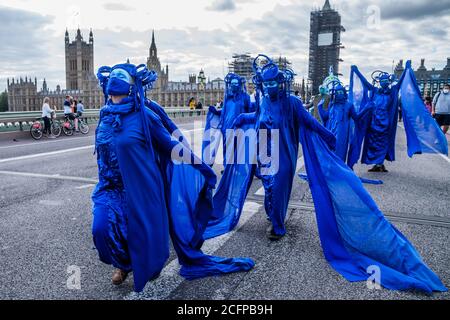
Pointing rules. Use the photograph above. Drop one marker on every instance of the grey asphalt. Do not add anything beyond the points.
(45, 229)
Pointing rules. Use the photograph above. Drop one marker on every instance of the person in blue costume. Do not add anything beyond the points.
(376, 132)
(338, 118)
(236, 101)
(146, 191)
(236, 177)
(356, 238)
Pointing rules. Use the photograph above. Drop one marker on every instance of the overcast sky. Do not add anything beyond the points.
(205, 33)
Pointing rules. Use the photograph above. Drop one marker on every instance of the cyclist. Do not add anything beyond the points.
(68, 111)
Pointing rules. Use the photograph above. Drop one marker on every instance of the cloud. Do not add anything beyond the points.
(222, 5)
(414, 9)
(116, 6)
(26, 44)
(283, 30)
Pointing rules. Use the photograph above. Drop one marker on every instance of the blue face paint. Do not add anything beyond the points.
(119, 83)
(271, 88)
(235, 85)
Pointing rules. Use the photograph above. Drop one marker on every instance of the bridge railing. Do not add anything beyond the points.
(22, 121)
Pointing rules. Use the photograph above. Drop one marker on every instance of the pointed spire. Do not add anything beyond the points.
(327, 5)
(66, 36)
(153, 50)
(91, 36)
(79, 36)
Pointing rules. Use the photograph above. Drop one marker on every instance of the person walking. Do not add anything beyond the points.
(441, 108)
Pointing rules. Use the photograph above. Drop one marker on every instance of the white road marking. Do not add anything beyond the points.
(300, 165)
(52, 203)
(44, 154)
(44, 142)
(170, 278)
(85, 186)
(48, 176)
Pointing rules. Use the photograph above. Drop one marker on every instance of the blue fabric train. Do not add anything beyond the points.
(236, 180)
(354, 234)
(143, 196)
(340, 119)
(375, 133)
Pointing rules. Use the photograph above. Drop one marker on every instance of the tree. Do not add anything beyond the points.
(3, 102)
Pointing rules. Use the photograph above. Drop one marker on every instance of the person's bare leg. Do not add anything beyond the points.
(76, 124)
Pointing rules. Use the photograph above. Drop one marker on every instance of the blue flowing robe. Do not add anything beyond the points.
(338, 119)
(354, 234)
(143, 197)
(376, 130)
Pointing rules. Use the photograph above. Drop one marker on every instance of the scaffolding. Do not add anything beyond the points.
(325, 44)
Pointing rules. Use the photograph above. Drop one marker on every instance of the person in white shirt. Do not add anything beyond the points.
(80, 108)
(46, 116)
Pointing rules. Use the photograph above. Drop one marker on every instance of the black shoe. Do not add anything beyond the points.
(376, 168)
(383, 169)
(273, 236)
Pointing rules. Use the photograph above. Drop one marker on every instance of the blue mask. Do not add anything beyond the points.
(119, 83)
(271, 88)
(340, 95)
(234, 86)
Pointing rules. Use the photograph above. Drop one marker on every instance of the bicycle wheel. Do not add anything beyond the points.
(56, 128)
(84, 127)
(67, 129)
(36, 131)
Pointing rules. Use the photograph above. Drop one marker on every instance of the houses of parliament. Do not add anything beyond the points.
(82, 84)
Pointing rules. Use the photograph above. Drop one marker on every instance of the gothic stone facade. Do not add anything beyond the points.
(23, 95)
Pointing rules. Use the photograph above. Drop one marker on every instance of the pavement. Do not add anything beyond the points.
(45, 231)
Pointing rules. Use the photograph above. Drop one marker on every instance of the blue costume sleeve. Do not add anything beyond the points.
(324, 114)
(313, 125)
(353, 231)
(234, 185)
(166, 121)
(211, 136)
(422, 132)
(249, 106)
(359, 93)
(188, 189)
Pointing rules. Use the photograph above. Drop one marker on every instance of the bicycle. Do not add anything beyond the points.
(37, 128)
(68, 127)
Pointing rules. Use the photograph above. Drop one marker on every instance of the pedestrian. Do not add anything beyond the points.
(441, 108)
(80, 108)
(144, 198)
(47, 114)
(429, 104)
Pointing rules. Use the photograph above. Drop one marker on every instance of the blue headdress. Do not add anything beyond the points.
(143, 79)
(380, 78)
(265, 69)
(228, 80)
